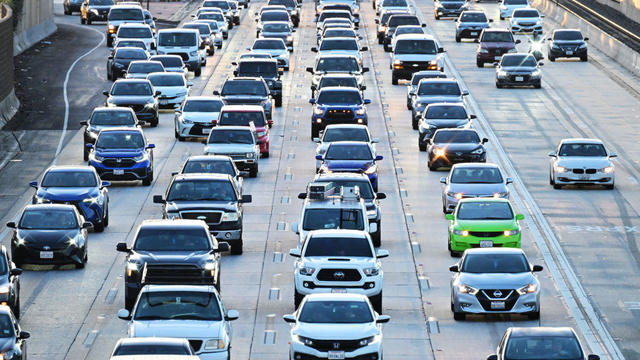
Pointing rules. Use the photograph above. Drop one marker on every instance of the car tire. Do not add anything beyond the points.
(265, 155)
(147, 180)
(421, 146)
(459, 316)
(67, 12)
(88, 21)
(105, 220)
(129, 303)
(501, 17)
(538, 85)
(279, 101)
(219, 46)
(98, 227)
(315, 132)
(534, 315)
(557, 186)
(584, 58)
(297, 298)
(479, 63)
(85, 153)
(376, 238)
(237, 248)
(610, 187)
(16, 306)
(436, 16)
(254, 172)
(211, 51)
(82, 22)
(387, 48)
(154, 122)
(458, 39)
(81, 264)
(551, 182)
(432, 167)
(444, 209)
(380, 41)
(394, 79)
(414, 123)
(551, 58)
(498, 85)
(376, 302)
(197, 71)
(408, 105)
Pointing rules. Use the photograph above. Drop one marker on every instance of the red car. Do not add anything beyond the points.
(247, 115)
(493, 44)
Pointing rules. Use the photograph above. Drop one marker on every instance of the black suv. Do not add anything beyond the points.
(9, 282)
(266, 69)
(171, 252)
(247, 91)
(118, 62)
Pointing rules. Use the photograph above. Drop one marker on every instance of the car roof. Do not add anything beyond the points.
(208, 158)
(336, 297)
(496, 30)
(473, 12)
(112, 109)
(132, 81)
(567, 30)
(63, 168)
(541, 331)
(182, 30)
(169, 288)
(428, 72)
(346, 126)
(475, 165)
(456, 104)
(456, 130)
(415, 37)
(134, 25)
(204, 98)
(494, 250)
(259, 60)
(336, 38)
(164, 56)
(153, 341)
(201, 176)
(166, 73)
(173, 223)
(349, 143)
(242, 108)
(337, 233)
(123, 48)
(580, 141)
(277, 22)
(330, 56)
(126, 7)
(341, 176)
(50, 207)
(146, 61)
(244, 78)
(439, 80)
(122, 129)
(4, 309)
(221, 128)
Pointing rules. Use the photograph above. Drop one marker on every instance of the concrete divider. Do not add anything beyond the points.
(622, 54)
(8, 101)
(36, 23)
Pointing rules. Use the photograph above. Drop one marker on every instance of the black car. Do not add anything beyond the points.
(171, 252)
(267, 69)
(71, 6)
(247, 91)
(567, 43)
(13, 344)
(119, 60)
(95, 10)
(9, 282)
(451, 146)
(138, 95)
(50, 234)
(103, 118)
(533, 343)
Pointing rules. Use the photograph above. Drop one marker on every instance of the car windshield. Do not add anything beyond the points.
(336, 312)
(167, 80)
(596, 150)
(334, 15)
(516, 2)
(258, 68)
(209, 167)
(479, 175)
(567, 35)
(276, 28)
(348, 152)
(518, 60)
(366, 190)
(338, 246)
(244, 88)
(386, 3)
(544, 347)
(268, 44)
(456, 137)
(145, 68)
(101, 2)
(169, 61)
(526, 13)
(407, 46)
(435, 75)
(335, 44)
(202, 106)
(242, 118)
(69, 179)
(339, 33)
(218, 4)
(112, 118)
(150, 349)
(439, 88)
(403, 20)
(287, 3)
(131, 54)
(6, 326)
(409, 30)
(473, 17)
(120, 140)
(346, 134)
(131, 88)
(220, 136)
(126, 14)
(172, 239)
(446, 112)
(178, 305)
(202, 190)
(212, 15)
(340, 98)
(274, 16)
(484, 210)
(177, 39)
(134, 33)
(253, 55)
(341, 81)
(341, 64)
(495, 263)
(497, 36)
(203, 28)
(319, 219)
(48, 219)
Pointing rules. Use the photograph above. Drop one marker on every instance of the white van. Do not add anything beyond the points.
(185, 43)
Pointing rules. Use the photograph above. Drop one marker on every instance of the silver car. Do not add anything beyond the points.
(277, 48)
(469, 180)
(495, 281)
(581, 161)
(197, 116)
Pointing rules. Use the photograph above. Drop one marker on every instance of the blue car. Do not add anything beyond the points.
(79, 186)
(351, 156)
(337, 105)
(122, 154)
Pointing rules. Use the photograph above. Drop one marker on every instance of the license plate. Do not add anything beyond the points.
(486, 243)
(206, 131)
(335, 355)
(46, 254)
(164, 102)
(338, 291)
(497, 58)
(569, 52)
(519, 78)
(584, 177)
(118, 172)
(474, 33)
(497, 305)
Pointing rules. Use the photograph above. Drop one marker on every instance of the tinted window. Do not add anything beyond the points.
(132, 43)
(341, 81)
(332, 44)
(219, 4)
(394, 3)
(69, 179)
(409, 30)
(339, 33)
(204, 29)
(48, 219)
(120, 140)
(516, 2)
(150, 349)
(169, 61)
(366, 190)
(269, 44)
(167, 80)
(446, 112)
(403, 20)
(241, 118)
(479, 175)
(345, 134)
(6, 327)
(167, 239)
(456, 137)
(473, 17)
(544, 347)
(203, 106)
(342, 64)
(435, 75)
(244, 88)
(126, 14)
(340, 97)
(336, 312)
(439, 88)
(178, 305)
(274, 16)
(131, 54)
(287, 3)
(101, 2)
(582, 150)
(319, 219)
(348, 152)
(145, 68)
(176, 39)
(275, 27)
(485, 210)
(348, 247)
(213, 16)
(567, 35)
(230, 137)
(128, 33)
(258, 68)
(113, 118)
(415, 47)
(497, 36)
(131, 88)
(209, 167)
(495, 263)
(333, 15)
(201, 190)
(519, 60)
(526, 13)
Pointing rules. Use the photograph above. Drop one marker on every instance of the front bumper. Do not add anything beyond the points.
(71, 254)
(482, 304)
(492, 56)
(468, 33)
(461, 243)
(171, 101)
(192, 130)
(407, 72)
(137, 172)
(519, 80)
(321, 121)
(368, 286)
(299, 351)
(519, 29)
(452, 158)
(569, 178)
(443, 12)
(567, 52)
(97, 17)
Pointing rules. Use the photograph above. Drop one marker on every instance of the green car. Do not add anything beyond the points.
(483, 222)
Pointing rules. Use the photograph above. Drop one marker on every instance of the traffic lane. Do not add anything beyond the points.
(567, 106)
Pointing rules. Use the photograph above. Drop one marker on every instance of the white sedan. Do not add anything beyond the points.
(581, 161)
(173, 87)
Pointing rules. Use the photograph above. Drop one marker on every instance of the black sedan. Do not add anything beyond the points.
(451, 146)
(71, 6)
(118, 62)
(13, 344)
(50, 234)
(9, 282)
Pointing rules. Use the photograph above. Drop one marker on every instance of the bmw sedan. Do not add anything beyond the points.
(581, 161)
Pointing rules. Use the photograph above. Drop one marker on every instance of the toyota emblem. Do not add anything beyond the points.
(338, 275)
(497, 293)
(336, 345)
(46, 248)
(458, 153)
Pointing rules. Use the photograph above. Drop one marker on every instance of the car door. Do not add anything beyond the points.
(14, 280)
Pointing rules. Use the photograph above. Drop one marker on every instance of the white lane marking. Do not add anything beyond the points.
(575, 296)
(65, 91)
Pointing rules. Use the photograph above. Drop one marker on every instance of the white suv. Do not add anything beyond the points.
(338, 261)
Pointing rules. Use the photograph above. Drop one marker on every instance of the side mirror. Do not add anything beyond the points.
(122, 247)
(379, 157)
(540, 63)
(310, 70)
(289, 318)
(363, 87)
(375, 140)
(141, 123)
(84, 123)
(235, 72)
(473, 116)
(490, 20)
(280, 72)
(454, 268)
(216, 92)
(553, 154)
(382, 319)
(151, 146)
(492, 357)
(232, 315)
(612, 154)
(319, 157)
(295, 252)
(364, 48)
(124, 314)
(24, 335)
(376, 21)
(423, 25)
(189, 84)
(485, 140)
(302, 196)
(16, 271)
(537, 268)
(105, 183)
(591, 357)
(11, 224)
(158, 199)
(381, 196)
(312, 101)
(294, 227)
(549, 39)
(105, 93)
(519, 217)
(87, 225)
(443, 180)
(509, 180)
(587, 39)
(465, 92)
(367, 101)
(541, 15)
(518, 41)
(246, 199)
(381, 253)
(34, 184)
(373, 227)
(496, 64)
(158, 93)
(223, 246)
(440, 50)
(314, 49)
(449, 217)
(365, 69)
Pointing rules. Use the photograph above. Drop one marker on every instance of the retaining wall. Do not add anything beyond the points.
(36, 23)
(8, 101)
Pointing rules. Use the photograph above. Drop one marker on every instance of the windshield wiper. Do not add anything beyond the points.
(150, 317)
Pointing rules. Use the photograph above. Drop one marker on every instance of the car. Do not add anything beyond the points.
(217, 17)
(216, 32)
(173, 87)
(148, 348)
(183, 42)
(71, 6)
(520, 69)
(351, 6)
(9, 282)
(277, 48)
(473, 180)
(224, 6)
(412, 86)
(90, 10)
(449, 8)
(104, 118)
(333, 261)
(254, 55)
(334, 23)
(196, 116)
(401, 30)
(251, 116)
(279, 30)
(529, 343)
(37, 234)
(212, 164)
(334, 14)
(526, 21)
(495, 281)
(413, 53)
(119, 60)
(386, 5)
(337, 80)
(139, 69)
(451, 146)
(577, 161)
(338, 33)
(268, 70)
(340, 46)
(194, 312)
(121, 14)
(238, 142)
(336, 64)
(135, 43)
(235, 12)
(470, 24)
(483, 222)
(247, 91)
(431, 91)
(383, 20)
(15, 339)
(135, 31)
(291, 6)
(76, 185)
(442, 116)
(337, 105)
(149, 19)
(351, 156)
(208, 37)
(343, 132)
(122, 154)
(271, 15)
(507, 7)
(175, 251)
(342, 326)
(567, 43)
(171, 63)
(493, 44)
(137, 94)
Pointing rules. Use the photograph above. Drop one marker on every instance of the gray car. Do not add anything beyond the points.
(412, 86)
(518, 70)
(495, 281)
(469, 24)
(468, 180)
(430, 91)
(279, 30)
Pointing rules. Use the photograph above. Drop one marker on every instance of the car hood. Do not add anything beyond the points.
(67, 194)
(98, 128)
(171, 90)
(114, 153)
(415, 57)
(519, 69)
(130, 99)
(355, 53)
(497, 281)
(477, 189)
(497, 45)
(348, 164)
(272, 52)
(486, 225)
(568, 42)
(173, 206)
(584, 161)
(339, 261)
(525, 20)
(229, 148)
(192, 329)
(462, 147)
(47, 237)
(171, 257)
(447, 123)
(125, 62)
(201, 116)
(432, 99)
(335, 331)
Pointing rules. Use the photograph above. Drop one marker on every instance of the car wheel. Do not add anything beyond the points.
(376, 302)
(197, 71)
(82, 22)
(498, 85)
(66, 11)
(85, 153)
(444, 211)
(237, 248)
(584, 58)
(211, 51)
(436, 16)
(458, 39)
(479, 63)
(265, 155)
(376, 238)
(297, 298)
(538, 85)
(394, 79)
(551, 182)
(557, 186)
(534, 315)
(387, 48)
(147, 180)
(501, 17)
(279, 101)
(154, 122)
(551, 58)
(459, 316)
(610, 187)
(88, 21)
(315, 132)
(98, 227)
(81, 264)
(380, 40)
(422, 146)
(218, 284)
(254, 172)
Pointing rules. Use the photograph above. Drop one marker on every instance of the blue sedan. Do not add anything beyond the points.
(337, 105)
(351, 156)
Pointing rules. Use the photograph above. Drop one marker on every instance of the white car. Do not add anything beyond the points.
(507, 6)
(335, 326)
(134, 31)
(339, 261)
(343, 132)
(274, 47)
(401, 5)
(194, 312)
(340, 46)
(152, 348)
(217, 15)
(140, 69)
(173, 87)
(581, 161)
(526, 21)
(197, 116)
(172, 63)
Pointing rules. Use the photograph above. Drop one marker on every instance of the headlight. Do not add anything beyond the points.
(304, 340)
(483, 50)
(501, 74)
(561, 169)
(213, 344)
(132, 266)
(318, 111)
(307, 271)
(193, 53)
(289, 38)
(511, 232)
(455, 195)
(209, 266)
(42, 200)
(230, 216)
(607, 170)
(361, 111)
(112, 29)
(249, 155)
(373, 271)
(439, 152)
(76, 241)
(371, 169)
(478, 151)
(173, 216)
(140, 157)
(466, 289)
(461, 232)
(94, 200)
(527, 289)
(514, 50)
(185, 121)
(150, 105)
(7, 355)
(582, 46)
(536, 74)
(503, 194)
(367, 341)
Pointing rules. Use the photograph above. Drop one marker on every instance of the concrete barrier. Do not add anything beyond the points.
(8, 101)
(605, 43)
(36, 23)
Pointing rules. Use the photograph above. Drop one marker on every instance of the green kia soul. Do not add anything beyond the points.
(483, 222)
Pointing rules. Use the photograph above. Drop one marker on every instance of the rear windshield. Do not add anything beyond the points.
(274, 16)
(407, 46)
(177, 39)
(446, 112)
(269, 44)
(126, 14)
(486, 210)
(113, 118)
(216, 3)
(145, 68)
(345, 134)
(258, 68)
(241, 118)
(516, 2)
(436, 75)
(394, 3)
(318, 219)
(340, 33)
(276, 28)
(409, 30)
(134, 33)
(333, 15)
(287, 3)
(203, 28)
(479, 175)
(167, 80)
(519, 60)
(567, 35)
(211, 15)
(403, 20)
(169, 61)
(340, 97)
(347, 247)
(495, 263)
(203, 106)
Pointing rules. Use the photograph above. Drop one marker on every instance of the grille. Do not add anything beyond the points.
(212, 217)
(184, 56)
(196, 129)
(118, 162)
(451, 6)
(195, 345)
(578, 171)
(417, 65)
(524, 77)
(509, 296)
(302, 356)
(242, 101)
(234, 156)
(344, 345)
(339, 114)
(174, 274)
(486, 234)
(527, 24)
(334, 275)
(590, 171)
(498, 51)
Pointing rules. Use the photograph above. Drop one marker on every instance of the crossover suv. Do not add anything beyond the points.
(137, 94)
(449, 8)
(135, 31)
(251, 116)
(121, 14)
(71, 6)
(567, 43)
(526, 21)
(105, 118)
(451, 146)
(247, 91)
(518, 70)
(9, 282)
(442, 116)
(15, 340)
(412, 53)
(140, 69)
(212, 164)
(507, 7)
(118, 62)
(267, 69)
(343, 132)
(412, 86)
(173, 87)
(238, 142)
(394, 22)
(90, 10)
(470, 24)
(473, 180)
(581, 161)
(337, 105)
(351, 156)
(277, 48)
(146, 347)
(493, 44)
(279, 30)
